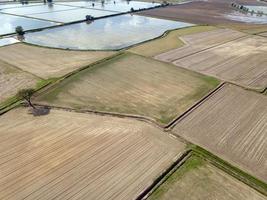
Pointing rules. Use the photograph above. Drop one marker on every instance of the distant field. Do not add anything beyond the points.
(131, 84)
(71, 155)
(226, 54)
(264, 34)
(242, 61)
(12, 80)
(48, 63)
(232, 124)
(199, 180)
(246, 28)
(200, 41)
(212, 12)
(168, 42)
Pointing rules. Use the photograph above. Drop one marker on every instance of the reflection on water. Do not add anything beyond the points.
(17, 5)
(36, 9)
(248, 17)
(125, 6)
(72, 15)
(10, 22)
(109, 33)
(262, 9)
(7, 41)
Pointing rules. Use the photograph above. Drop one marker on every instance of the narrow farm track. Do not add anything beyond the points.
(67, 155)
(232, 124)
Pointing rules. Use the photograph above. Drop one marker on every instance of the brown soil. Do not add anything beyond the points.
(12, 80)
(200, 12)
(47, 62)
(67, 155)
(232, 124)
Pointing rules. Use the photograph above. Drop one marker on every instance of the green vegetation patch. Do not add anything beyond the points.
(198, 179)
(193, 162)
(131, 84)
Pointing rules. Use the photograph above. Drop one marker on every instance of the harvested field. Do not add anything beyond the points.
(68, 155)
(47, 62)
(131, 84)
(263, 34)
(199, 42)
(199, 180)
(232, 124)
(12, 80)
(168, 42)
(245, 28)
(242, 61)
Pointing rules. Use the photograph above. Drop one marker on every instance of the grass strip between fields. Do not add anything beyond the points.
(191, 163)
(43, 84)
(14, 101)
(197, 158)
(234, 171)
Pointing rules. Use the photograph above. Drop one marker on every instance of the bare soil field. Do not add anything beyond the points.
(12, 80)
(168, 42)
(212, 12)
(200, 41)
(263, 34)
(242, 61)
(68, 155)
(232, 124)
(131, 84)
(47, 62)
(199, 180)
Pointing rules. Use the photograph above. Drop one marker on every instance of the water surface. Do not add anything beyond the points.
(72, 15)
(45, 8)
(109, 33)
(8, 41)
(112, 5)
(258, 8)
(248, 18)
(8, 23)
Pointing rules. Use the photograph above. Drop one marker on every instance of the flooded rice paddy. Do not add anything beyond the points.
(104, 34)
(40, 15)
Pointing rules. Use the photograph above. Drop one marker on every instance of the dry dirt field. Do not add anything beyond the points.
(263, 34)
(232, 124)
(242, 61)
(131, 84)
(47, 62)
(68, 155)
(12, 80)
(168, 42)
(199, 180)
(200, 41)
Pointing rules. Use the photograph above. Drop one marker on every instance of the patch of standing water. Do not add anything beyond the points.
(8, 23)
(8, 41)
(104, 34)
(112, 5)
(45, 8)
(262, 9)
(72, 15)
(247, 17)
